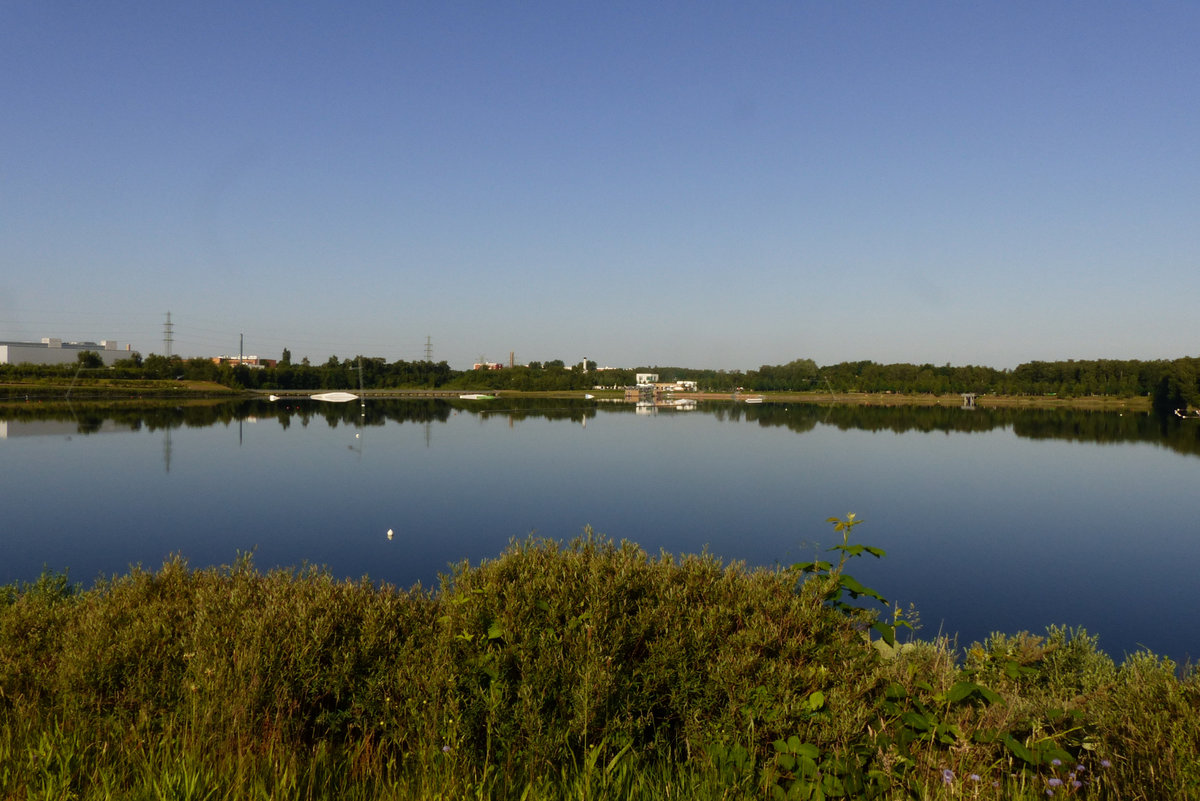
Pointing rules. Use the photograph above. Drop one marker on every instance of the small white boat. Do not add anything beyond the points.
(272, 397)
(477, 396)
(335, 397)
(754, 400)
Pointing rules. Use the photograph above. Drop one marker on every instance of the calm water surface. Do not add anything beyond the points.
(992, 520)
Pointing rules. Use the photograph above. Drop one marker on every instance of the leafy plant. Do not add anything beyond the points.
(838, 585)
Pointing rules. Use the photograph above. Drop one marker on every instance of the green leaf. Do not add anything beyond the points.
(876, 552)
(990, 696)
(948, 733)
(856, 589)
(832, 786)
(816, 700)
(809, 751)
(888, 633)
(961, 691)
(1019, 751)
(612, 763)
(1052, 753)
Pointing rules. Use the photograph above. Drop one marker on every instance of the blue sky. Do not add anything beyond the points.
(706, 184)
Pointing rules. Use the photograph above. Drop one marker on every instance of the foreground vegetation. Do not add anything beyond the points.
(592, 670)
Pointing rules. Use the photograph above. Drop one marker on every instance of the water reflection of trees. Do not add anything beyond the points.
(89, 418)
(1076, 425)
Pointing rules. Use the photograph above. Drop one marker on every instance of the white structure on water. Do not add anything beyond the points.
(55, 351)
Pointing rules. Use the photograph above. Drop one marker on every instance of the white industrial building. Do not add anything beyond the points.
(55, 351)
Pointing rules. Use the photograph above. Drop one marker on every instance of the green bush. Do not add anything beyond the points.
(585, 670)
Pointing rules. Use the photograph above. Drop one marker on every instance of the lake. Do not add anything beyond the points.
(993, 520)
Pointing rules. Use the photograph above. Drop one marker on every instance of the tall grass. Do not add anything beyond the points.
(585, 670)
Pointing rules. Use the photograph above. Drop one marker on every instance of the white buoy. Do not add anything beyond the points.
(389, 533)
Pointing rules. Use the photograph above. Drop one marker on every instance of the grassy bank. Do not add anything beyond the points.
(592, 670)
(40, 390)
(1103, 402)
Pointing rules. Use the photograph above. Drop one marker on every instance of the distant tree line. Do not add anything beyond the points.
(334, 373)
(1171, 383)
(377, 373)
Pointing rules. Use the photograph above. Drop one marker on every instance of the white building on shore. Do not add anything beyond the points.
(54, 351)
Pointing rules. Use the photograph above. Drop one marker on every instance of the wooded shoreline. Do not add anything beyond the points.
(20, 392)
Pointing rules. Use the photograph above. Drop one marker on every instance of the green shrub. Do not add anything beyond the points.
(585, 670)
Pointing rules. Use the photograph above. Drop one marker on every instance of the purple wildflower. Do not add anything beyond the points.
(1104, 763)
(1056, 762)
(974, 777)
(1055, 782)
(947, 776)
